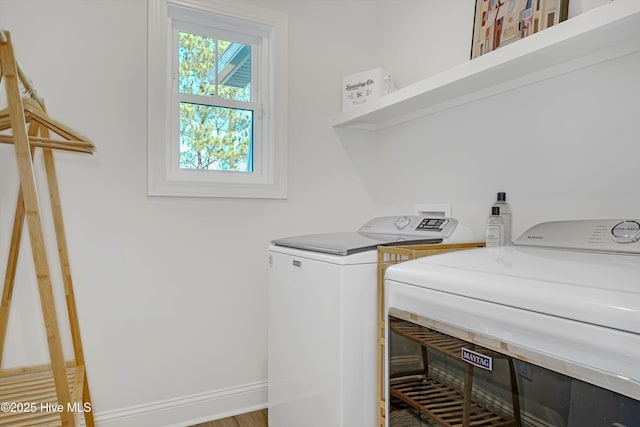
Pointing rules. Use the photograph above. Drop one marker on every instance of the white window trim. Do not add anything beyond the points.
(271, 179)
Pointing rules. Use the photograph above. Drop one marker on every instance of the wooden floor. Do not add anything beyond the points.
(251, 419)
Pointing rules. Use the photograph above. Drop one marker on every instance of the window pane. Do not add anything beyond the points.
(216, 138)
(208, 66)
(234, 72)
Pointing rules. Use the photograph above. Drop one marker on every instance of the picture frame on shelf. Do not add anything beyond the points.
(501, 22)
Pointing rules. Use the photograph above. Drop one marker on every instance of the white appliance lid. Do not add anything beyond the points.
(397, 230)
(341, 243)
(344, 243)
(595, 288)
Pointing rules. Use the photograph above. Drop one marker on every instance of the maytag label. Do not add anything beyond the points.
(477, 359)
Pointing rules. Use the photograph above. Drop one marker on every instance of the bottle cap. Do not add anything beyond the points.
(502, 196)
(495, 210)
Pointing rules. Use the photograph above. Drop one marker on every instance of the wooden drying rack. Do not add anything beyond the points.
(388, 256)
(58, 393)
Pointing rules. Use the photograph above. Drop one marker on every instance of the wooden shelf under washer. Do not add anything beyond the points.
(437, 340)
(443, 403)
(388, 256)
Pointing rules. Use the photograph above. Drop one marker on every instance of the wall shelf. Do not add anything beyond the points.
(601, 34)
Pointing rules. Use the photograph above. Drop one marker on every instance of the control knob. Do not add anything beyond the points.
(402, 222)
(626, 232)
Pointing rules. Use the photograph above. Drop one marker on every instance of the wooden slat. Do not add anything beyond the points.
(78, 384)
(39, 389)
(77, 146)
(65, 267)
(437, 340)
(443, 403)
(36, 233)
(29, 383)
(33, 112)
(29, 370)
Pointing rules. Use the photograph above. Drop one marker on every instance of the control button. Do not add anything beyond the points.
(626, 232)
(432, 224)
(402, 222)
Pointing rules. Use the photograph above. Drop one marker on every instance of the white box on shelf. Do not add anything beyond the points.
(362, 88)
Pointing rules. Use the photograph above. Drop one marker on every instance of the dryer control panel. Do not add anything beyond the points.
(411, 226)
(597, 235)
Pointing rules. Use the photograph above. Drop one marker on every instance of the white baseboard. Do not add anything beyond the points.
(189, 410)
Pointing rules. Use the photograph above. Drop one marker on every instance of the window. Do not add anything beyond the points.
(217, 100)
(216, 103)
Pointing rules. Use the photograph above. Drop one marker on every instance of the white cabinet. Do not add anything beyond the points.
(604, 33)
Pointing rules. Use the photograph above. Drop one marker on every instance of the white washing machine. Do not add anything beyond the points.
(544, 333)
(322, 319)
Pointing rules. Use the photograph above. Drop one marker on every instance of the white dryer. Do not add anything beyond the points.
(543, 333)
(322, 319)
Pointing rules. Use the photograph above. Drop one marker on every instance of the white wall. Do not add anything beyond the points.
(422, 38)
(560, 148)
(171, 292)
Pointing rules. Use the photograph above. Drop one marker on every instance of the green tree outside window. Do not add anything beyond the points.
(214, 137)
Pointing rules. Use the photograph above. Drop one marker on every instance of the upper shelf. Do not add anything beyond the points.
(600, 34)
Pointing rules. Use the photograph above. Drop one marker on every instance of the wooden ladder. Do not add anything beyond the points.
(58, 393)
